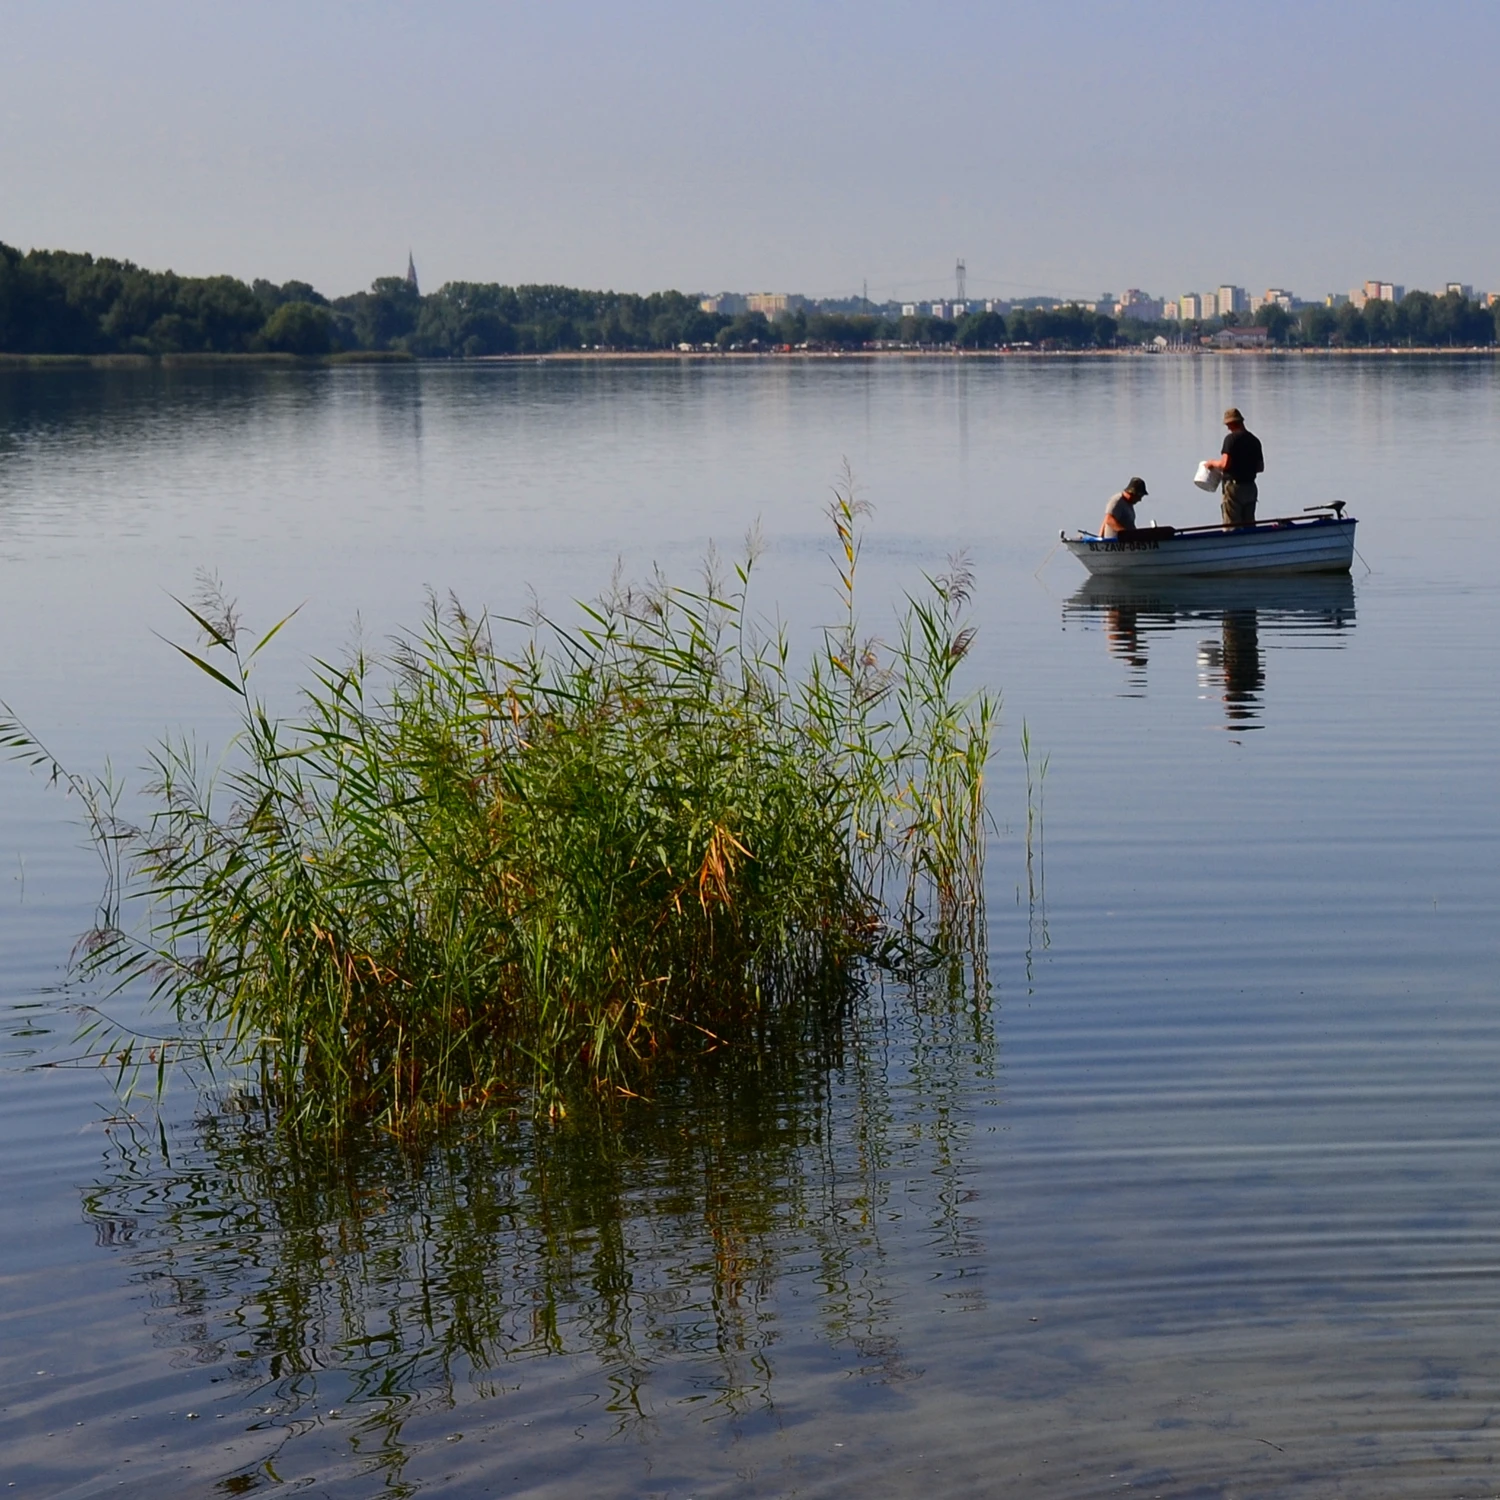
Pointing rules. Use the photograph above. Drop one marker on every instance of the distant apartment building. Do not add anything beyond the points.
(774, 305)
(951, 312)
(1190, 307)
(1463, 289)
(1274, 296)
(1336, 299)
(1376, 291)
(730, 304)
(1210, 301)
(1172, 312)
(1232, 299)
(1140, 307)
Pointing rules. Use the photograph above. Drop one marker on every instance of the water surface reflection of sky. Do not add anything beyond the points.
(1200, 1194)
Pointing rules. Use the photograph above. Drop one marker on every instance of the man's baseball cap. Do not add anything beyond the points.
(1233, 415)
(1136, 487)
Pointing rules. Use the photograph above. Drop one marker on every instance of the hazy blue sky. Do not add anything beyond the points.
(1069, 148)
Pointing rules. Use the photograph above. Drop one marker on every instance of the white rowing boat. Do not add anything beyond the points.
(1319, 542)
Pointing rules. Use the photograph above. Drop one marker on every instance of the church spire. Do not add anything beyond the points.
(411, 272)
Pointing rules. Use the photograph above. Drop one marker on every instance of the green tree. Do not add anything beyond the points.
(271, 296)
(1380, 323)
(36, 315)
(386, 316)
(225, 313)
(924, 331)
(984, 330)
(1277, 322)
(790, 327)
(1317, 326)
(1070, 327)
(841, 330)
(172, 334)
(747, 331)
(1457, 320)
(1352, 329)
(142, 300)
(299, 328)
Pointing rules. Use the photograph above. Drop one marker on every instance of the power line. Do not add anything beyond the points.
(917, 286)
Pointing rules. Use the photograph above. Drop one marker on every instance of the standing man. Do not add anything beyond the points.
(1240, 460)
(1119, 514)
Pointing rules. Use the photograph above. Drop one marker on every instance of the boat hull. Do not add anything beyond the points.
(1323, 545)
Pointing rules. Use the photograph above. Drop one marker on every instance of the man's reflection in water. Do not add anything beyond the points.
(1122, 633)
(1232, 667)
(1236, 667)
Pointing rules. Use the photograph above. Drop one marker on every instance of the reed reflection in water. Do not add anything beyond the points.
(1249, 613)
(347, 1294)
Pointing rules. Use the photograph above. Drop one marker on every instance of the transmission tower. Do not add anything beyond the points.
(960, 274)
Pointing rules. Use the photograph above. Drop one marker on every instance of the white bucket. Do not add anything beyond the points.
(1206, 478)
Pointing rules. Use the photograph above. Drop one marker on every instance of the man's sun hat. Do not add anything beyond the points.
(1233, 415)
(1137, 486)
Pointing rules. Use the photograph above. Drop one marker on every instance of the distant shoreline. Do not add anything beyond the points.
(704, 356)
(200, 361)
(581, 356)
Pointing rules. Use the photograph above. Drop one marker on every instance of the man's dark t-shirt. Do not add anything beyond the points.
(1245, 457)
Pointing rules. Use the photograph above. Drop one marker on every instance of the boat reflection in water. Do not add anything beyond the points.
(1247, 613)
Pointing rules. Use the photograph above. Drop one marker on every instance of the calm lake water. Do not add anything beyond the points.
(1201, 1197)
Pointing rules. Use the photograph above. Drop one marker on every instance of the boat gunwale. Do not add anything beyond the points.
(1271, 523)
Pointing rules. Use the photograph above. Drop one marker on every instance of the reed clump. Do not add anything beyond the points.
(466, 873)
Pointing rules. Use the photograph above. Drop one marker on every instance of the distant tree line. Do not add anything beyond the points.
(56, 302)
(1421, 320)
(1063, 328)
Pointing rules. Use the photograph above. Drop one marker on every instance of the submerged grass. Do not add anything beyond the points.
(463, 875)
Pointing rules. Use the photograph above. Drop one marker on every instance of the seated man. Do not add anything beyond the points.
(1119, 514)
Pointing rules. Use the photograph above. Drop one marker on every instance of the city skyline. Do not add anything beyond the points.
(1133, 303)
